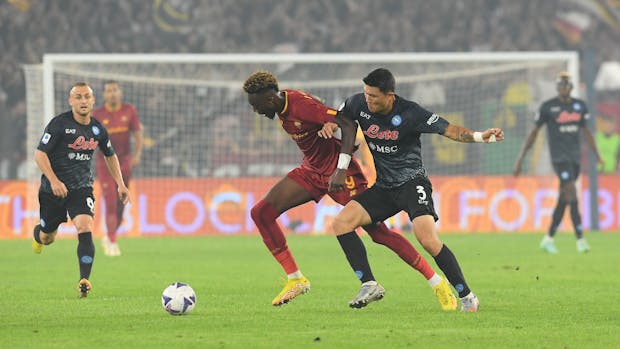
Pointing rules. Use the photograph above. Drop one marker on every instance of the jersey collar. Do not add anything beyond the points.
(284, 109)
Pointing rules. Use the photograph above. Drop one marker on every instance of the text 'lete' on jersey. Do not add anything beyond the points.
(394, 139)
(69, 146)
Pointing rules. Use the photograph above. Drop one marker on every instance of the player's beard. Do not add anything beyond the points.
(83, 114)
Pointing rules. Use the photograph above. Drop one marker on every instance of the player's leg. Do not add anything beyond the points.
(569, 190)
(52, 213)
(286, 194)
(417, 200)
(110, 197)
(425, 232)
(81, 208)
(112, 242)
(564, 175)
(356, 213)
(351, 244)
(381, 234)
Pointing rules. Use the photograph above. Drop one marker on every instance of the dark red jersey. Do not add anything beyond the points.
(120, 124)
(303, 116)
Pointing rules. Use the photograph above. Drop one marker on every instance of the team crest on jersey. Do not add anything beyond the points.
(397, 120)
(105, 121)
(96, 130)
(123, 118)
(576, 106)
(297, 124)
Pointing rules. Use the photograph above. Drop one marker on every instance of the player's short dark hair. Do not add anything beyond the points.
(259, 82)
(382, 79)
(107, 82)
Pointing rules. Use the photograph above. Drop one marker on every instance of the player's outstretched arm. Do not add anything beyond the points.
(115, 171)
(531, 138)
(349, 128)
(43, 161)
(465, 135)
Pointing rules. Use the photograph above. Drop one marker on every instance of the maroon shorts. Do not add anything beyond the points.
(317, 184)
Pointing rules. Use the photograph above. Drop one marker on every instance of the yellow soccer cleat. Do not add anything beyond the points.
(444, 295)
(292, 289)
(84, 287)
(37, 247)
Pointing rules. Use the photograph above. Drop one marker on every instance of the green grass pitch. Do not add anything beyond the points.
(528, 299)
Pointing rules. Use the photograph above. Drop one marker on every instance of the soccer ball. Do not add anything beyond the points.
(178, 299)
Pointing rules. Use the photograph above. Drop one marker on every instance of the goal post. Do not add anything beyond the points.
(208, 158)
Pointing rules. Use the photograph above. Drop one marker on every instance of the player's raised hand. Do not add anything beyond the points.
(123, 194)
(337, 179)
(493, 135)
(59, 189)
(328, 130)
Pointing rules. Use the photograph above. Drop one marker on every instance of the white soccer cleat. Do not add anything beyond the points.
(369, 292)
(470, 303)
(582, 246)
(110, 248)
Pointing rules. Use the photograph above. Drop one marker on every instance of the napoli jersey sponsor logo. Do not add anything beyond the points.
(397, 120)
(576, 106)
(432, 119)
(96, 130)
(46, 138)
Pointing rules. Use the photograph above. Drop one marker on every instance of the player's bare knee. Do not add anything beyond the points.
(47, 238)
(83, 225)
(341, 226)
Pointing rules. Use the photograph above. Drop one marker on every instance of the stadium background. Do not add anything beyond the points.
(30, 29)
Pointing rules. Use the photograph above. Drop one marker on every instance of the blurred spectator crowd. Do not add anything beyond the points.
(30, 28)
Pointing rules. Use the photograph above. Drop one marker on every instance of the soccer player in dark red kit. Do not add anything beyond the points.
(121, 120)
(64, 156)
(302, 116)
(392, 127)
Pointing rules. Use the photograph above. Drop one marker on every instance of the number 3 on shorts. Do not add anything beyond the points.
(91, 204)
(422, 195)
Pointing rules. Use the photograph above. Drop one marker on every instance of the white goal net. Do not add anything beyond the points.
(202, 138)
